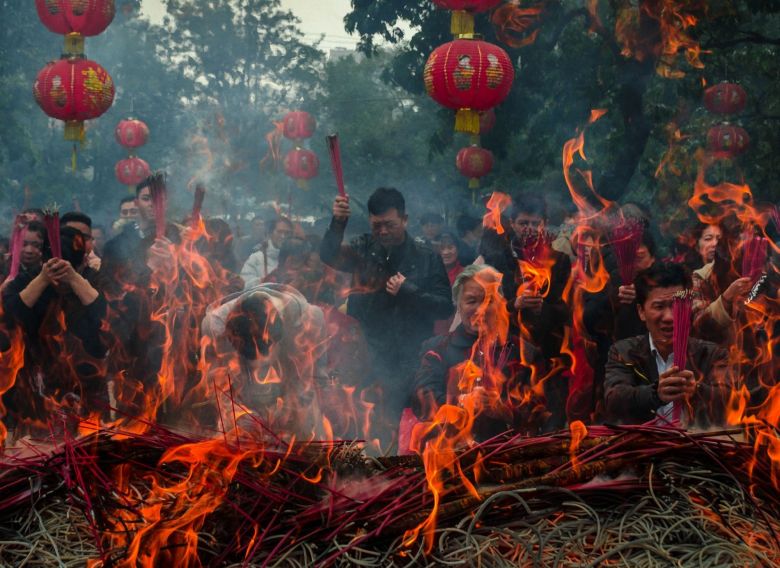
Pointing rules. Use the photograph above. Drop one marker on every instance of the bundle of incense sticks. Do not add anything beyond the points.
(754, 252)
(681, 312)
(535, 243)
(52, 221)
(335, 159)
(197, 205)
(17, 242)
(160, 200)
(625, 239)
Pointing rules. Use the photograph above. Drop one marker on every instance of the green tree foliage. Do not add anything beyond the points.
(576, 65)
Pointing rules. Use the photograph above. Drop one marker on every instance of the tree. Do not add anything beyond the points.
(583, 59)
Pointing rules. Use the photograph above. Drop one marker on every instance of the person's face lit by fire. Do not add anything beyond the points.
(86, 232)
(281, 233)
(145, 204)
(32, 249)
(525, 225)
(389, 228)
(128, 210)
(478, 303)
(643, 259)
(708, 243)
(448, 251)
(658, 314)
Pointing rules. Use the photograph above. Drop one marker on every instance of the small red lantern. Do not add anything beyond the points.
(463, 13)
(74, 90)
(470, 76)
(301, 165)
(131, 133)
(75, 19)
(298, 125)
(725, 98)
(727, 141)
(132, 171)
(474, 163)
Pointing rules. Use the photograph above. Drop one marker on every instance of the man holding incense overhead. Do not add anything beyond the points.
(400, 289)
(642, 382)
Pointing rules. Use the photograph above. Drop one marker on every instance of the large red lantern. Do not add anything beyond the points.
(463, 12)
(131, 133)
(474, 162)
(469, 76)
(301, 165)
(132, 171)
(298, 125)
(74, 90)
(75, 19)
(727, 141)
(725, 98)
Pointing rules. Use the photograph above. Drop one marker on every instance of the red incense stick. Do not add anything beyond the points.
(160, 201)
(681, 312)
(335, 159)
(52, 221)
(17, 242)
(197, 205)
(626, 238)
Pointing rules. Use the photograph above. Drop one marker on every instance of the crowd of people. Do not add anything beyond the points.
(521, 324)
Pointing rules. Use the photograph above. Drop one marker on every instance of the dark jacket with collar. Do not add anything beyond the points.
(436, 379)
(631, 383)
(394, 326)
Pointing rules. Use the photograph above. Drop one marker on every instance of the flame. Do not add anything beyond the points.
(575, 146)
(578, 433)
(516, 25)
(495, 206)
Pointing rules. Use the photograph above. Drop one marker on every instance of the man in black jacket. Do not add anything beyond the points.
(400, 288)
(642, 382)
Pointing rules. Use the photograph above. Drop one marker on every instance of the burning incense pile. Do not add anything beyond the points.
(639, 495)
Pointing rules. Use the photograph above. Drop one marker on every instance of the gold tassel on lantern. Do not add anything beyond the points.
(474, 183)
(74, 131)
(462, 22)
(303, 184)
(74, 45)
(467, 120)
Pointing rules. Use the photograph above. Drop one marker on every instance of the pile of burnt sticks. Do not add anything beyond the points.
(638, 496)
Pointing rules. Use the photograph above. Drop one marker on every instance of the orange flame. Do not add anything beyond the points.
(496, 205)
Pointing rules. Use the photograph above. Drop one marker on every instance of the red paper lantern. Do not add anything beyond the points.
(74, 90)
(298, 125)
(132, 171)
(727, 141)
(76, 19)
(725, 98)
(470, 76)
(474, 162)
(463, 12)
(301, 165)
(131, 133)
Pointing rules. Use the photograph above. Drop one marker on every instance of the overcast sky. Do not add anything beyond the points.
(317, 17)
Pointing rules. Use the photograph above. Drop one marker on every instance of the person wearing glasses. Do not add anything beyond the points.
(83, 224)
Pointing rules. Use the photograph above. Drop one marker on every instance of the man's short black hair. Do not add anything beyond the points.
(40, 228)
(660, 275)
(276, 220)
(431, 217)
(128, 199)
(466, 224)
(530, 204)
(385, 198)
(76, 217)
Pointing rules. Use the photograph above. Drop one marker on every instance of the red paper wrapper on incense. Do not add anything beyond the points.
(626, 238)
(754, 252)
(52, 221)
(681, 312)
(17, 242)
(335, 160)
(160, 201)
(197, 205)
